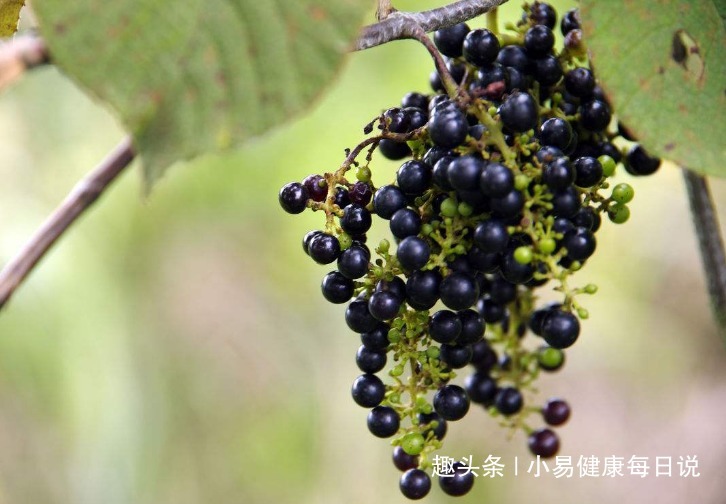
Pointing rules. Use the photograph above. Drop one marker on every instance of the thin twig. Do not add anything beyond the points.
(398, 24)
(708, 232)
(85, 192)
(22, 53)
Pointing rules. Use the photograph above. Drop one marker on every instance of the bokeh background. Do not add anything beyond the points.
(176, 349)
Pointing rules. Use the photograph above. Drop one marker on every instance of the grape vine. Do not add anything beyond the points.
(509, 166)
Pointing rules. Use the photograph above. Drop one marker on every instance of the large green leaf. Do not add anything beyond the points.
(192, 76)
(9, 16)
(663, 65)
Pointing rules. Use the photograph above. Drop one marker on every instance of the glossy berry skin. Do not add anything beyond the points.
(396, 286)
(639, 162)
(413, 253)
(368, 390)
(459, 483)
(455, 356)
(491, 235)
(383, 421)
(336, 288)
(316, 187)
(415, 484)
(538, 41)
(515, 57)
(595, 115)
(422, 289)
(515, 272)
(384, 305)
(444, 326)
(566, 203)
(496, 180)
(480, 47)
(428, 419)
(580, 82)
(414, 177)
(449, 40)
(507, 206)
(543, 442)
(324, 248)
(402, 460)
(587, 218)
(519, 112)
(481, 388)
(458, 291)
(588, 171)
(448, 128)
(463, 172)
(472, 327)
(580, 243)
(387, 200)
(558, 175)
(570, 21)
(508, 401)
(547, 70)
(451, 402)
(356, 219)
(556, 132)
(360, 193)
(560, 329)
(293, 198)
(543, 14)
(376, 338)
(353, 262)
(393, 150)
(405, 222)
(370, 361)
(358, 318)
(556, 412)
(416, 100)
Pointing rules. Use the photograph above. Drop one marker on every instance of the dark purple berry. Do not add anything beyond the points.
(337, 288)
(387, 200)
(458, 291)
(449, 40)
(368, 390)
(560, 329)
(415, 484)
(383, 421)
(556, 412)
(413, 253)
(422, 289)
(595, 115)
(480, 47)
(459, 483)
(508, 401)
(451, 402)
(293, 198)
(324, 248)
(519, 112)
(402, 460)
(543, 442)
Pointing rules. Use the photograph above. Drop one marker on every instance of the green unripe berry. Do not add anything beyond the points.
(449, 208)
(591, 288)
(550, 357)
(521, 182)
(397, 370)
(608, 165)
(394, 335)
(619, 213)
(394, 398)
(384, 246)
(623, 193)
(460, 249)
(363, 173)
(523, 255)
(583, 313)
(413, 443)
(427, 229)
(547, 245)
(465, 209)
(433, 352)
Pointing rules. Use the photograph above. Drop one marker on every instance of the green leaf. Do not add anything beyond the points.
(193, 76)
(9, 16)
(662, 63)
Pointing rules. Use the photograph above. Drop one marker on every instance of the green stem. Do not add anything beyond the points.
(493, 21)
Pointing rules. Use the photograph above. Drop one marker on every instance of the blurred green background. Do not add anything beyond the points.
(177, 350)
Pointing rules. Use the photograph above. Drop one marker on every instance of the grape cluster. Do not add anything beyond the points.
(508, 169)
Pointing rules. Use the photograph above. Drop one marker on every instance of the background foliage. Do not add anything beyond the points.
(176, 350)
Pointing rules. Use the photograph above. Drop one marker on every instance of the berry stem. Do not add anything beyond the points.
(494, 130)
(397, 25)
(710, 242)
(493, 21)
(418, 33)
(82, 196)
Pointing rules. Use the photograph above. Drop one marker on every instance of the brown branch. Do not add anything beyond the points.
(710, 242)
(399, 24)
(22, 53)
(85, 192)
